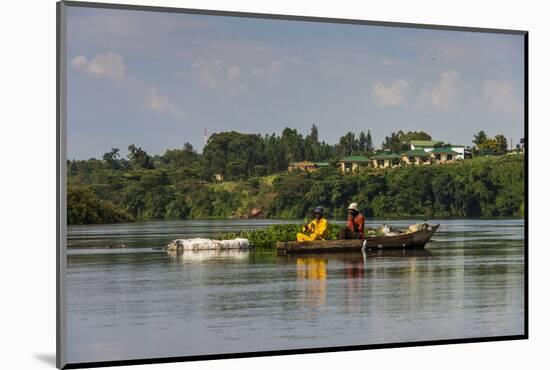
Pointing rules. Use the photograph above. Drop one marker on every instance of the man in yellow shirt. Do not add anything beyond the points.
(316, 229)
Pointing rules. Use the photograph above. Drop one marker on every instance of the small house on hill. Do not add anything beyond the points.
(462, 151)
(415, 156)
(353, 163)
(385, 160)
(443, 155)
(306, 166)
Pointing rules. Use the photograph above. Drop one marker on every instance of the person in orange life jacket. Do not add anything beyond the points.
(316, 229)
(355, 226)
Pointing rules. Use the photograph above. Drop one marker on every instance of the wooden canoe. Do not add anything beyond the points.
(417, 239)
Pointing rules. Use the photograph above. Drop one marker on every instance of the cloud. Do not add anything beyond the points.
(269, 70)
(160, 103)
(392, 95)
(443, 96)
(233, 78)
(216, 75)
(500, 97)
(110, 65)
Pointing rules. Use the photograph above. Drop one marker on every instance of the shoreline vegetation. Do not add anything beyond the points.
(181, 184)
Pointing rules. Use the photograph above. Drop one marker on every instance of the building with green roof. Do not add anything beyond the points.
(429, 145)
(354, 163)
(386, 156)
(416, 153)
(424, 144)
(415, 156)
(306, 166)
(385, 160)
(443, 151)
(442, 155)
(355, 158)
(422, 152)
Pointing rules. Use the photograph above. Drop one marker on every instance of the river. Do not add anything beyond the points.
(138, 302)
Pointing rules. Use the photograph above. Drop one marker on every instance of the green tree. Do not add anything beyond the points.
(413, 135)
(180, 158)
(274, 155)
(501, 144)
(177, 208)
(348, 144)
(84, 207)
(480, 138)
(369, 146)
(292, 144)
(110, 158)
(362, 142)
(393, 143)
(495, 146)
(233, 154)
(312, 145)
(139, 159)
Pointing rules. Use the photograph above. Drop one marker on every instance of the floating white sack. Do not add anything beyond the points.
(198, 244)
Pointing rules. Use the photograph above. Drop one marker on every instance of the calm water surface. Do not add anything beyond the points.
(138, 302)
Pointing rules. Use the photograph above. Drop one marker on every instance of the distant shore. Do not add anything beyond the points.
(340, 220)
(480, 187)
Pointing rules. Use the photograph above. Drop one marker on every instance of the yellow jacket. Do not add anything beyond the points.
(317, 228)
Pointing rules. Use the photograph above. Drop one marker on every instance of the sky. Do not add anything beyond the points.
(158, 80)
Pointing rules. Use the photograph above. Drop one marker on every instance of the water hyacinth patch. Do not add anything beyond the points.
(269, 236)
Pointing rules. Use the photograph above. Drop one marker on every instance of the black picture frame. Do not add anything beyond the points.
(61, 191)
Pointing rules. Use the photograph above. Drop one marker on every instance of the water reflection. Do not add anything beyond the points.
(135, 303)
(312, 271)
(362, 256)
(205, 255)
(311, 268)
(312, 277)
(398, 253)
(352, 268)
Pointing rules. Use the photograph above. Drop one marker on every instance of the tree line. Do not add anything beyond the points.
(233, 155)
(483, 186)
(236, 156)
(179, 184)
(486, 145)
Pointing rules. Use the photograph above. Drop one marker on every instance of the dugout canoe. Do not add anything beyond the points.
(417, 239)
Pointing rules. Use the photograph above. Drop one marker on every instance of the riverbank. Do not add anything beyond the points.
(481, 187)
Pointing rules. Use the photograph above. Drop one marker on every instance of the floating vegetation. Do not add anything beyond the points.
(267, 237)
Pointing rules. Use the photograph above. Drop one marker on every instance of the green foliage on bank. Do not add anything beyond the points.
(485, 186)
(86, 208)
(100, 191)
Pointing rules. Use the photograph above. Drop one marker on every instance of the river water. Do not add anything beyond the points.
(138, 302)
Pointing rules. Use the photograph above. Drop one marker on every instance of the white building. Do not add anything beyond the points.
(460, 149)
(430, 145)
